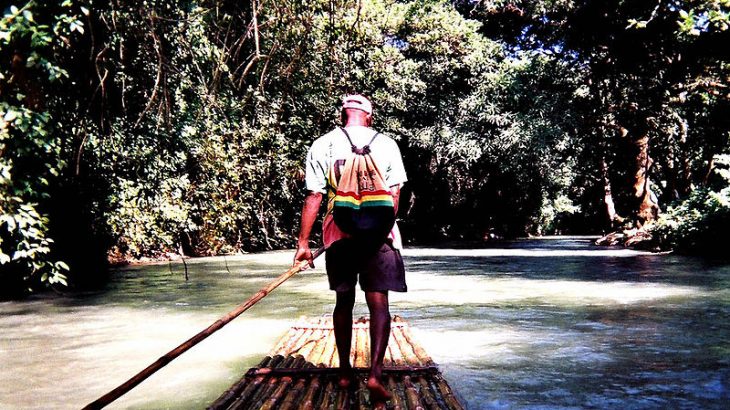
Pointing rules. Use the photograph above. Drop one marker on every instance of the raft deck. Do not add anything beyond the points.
(301, 373)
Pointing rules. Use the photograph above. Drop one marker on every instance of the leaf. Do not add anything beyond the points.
(28, 15)
(10, 116)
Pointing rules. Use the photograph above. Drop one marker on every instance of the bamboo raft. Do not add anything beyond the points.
(301, 373)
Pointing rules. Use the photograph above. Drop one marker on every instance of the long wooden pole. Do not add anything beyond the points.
(174, 353)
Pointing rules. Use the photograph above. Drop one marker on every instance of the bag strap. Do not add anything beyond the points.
(359, 151)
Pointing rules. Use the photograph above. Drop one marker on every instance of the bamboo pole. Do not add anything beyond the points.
(279, 346)
(289, 344)
(239, 388)
(361, 352)
(361, 394)
(342, 400)
(250, 391)
(412, 398)
(290, 399)
(409, 356)
(446, 393)
(329, 354)
(261, 395)
(315, 356)
(427, 397)
(277, 395)
(313, 338)
(397, 394)
(327, 400)
(396, 353)
(423, 357)
(321, 369)
(174, 353)
(307, 402)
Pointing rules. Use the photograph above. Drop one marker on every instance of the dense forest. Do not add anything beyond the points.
(133, 129)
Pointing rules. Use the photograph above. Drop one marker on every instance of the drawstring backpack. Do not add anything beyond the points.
(363, 205)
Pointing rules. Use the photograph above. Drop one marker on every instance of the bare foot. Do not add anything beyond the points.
(378, 393)
(346, 376)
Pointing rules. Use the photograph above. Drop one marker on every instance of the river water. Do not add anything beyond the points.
(531, 324)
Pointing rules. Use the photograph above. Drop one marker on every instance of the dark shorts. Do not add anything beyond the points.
(380, 267)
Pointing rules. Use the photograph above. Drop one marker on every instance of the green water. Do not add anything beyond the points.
(548, 323)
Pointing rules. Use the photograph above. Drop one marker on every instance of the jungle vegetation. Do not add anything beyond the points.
(133, 129)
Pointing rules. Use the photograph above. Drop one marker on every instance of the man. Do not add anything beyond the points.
(379, 265)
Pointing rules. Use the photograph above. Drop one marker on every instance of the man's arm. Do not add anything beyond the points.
(395, 192)
(310, 210)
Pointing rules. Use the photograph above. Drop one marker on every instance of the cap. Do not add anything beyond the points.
(358, 102)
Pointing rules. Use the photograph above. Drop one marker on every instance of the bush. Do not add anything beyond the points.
(700, 223)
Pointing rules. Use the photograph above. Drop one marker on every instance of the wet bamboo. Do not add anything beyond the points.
(361, 394)
(278, 394)
(174, 353)
(230, 395)
(307, 402)
(289, 401)
(239, 389)
(273, 383)
(327, 399)
(321, 369)
(427, 397)
(398, 394)
(299, 362)
(412, 398)
(447, 394)
(342, 401)
(276, 361)
(261, 395)
(251, 389)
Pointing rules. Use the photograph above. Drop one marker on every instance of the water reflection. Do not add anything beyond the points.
(551, 323)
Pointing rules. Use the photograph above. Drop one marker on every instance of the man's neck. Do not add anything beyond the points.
(356, 122)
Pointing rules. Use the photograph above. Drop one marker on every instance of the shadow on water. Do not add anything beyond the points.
(539, 323)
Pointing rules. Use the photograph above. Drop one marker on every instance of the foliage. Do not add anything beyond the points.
(698, 224)
(145, 129)
(30, 139)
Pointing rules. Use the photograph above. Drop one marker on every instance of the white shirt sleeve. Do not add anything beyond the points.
(396, 172)
(316, 174)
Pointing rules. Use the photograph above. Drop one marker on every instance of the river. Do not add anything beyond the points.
(551, 323)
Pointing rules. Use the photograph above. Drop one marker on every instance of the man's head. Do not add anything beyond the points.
(357, 110)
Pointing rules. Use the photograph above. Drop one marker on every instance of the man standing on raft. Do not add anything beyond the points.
(371, 163)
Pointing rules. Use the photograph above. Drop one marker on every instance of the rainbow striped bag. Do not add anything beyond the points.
(363, 205)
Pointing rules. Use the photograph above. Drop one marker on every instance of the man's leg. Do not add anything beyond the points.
(379, 334)
(342, 322)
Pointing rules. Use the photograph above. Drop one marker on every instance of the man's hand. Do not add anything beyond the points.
(309, 214)
(303, 254)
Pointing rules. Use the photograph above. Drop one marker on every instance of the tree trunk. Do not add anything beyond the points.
(648, 206)
(613, 217)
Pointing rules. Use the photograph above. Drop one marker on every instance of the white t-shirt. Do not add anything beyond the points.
(326, 158)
